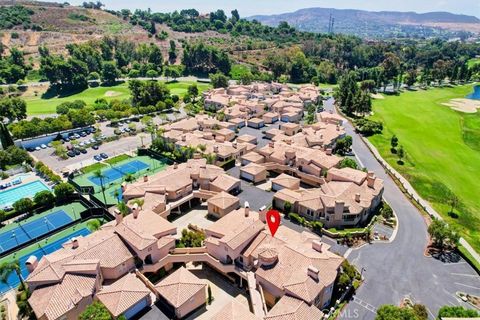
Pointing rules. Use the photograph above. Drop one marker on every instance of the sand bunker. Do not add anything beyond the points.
(112, 93)
(463, 105)
(377, 96)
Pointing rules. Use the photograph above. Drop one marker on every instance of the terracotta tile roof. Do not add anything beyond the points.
(253, 168)
(123, 294)
(255, 120)
(225, 182)
(253, 157)
(223, 200)
(52, 302)
(289, 308)
(286, 181)
(235, 311)
(347, 174)
(179, 287)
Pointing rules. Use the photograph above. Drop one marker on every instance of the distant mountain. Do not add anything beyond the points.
(377, 24)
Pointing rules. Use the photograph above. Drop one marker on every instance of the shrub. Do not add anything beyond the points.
(63, 190)
(44, 198)
(23, 205)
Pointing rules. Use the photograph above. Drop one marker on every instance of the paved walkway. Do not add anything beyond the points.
(399, 269)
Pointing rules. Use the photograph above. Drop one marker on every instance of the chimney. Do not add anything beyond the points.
(135, 210)
(175, 165)
(74, 243)
(271, 144)
(338, 127)
(357, 197)
(312, 272)
(145, 178)
(317, 245)
(215, 148)
(184, 137)
(339, 206)
(234, 144)
(247, 209)
(31, 263)
(328, 151)
(118, 216)
(371, 179)
(262, 213)
(123, 186)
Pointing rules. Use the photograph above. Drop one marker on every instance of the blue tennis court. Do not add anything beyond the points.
(118, 172)
(13, 282)
(33, 229)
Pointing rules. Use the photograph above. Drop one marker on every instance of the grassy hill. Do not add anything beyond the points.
(442, 151)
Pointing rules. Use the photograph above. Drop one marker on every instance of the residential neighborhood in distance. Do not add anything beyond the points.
(160, 162)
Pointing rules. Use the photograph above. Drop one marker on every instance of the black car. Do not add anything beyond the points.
(95, 147)
(71, 154)
(104, 155)
(66, 139)
(83, 151)
(77, 152)
(31, 149)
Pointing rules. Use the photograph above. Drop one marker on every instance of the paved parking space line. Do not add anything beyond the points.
(364, 304)
(465, 275)
(466, 285)
(454, 263)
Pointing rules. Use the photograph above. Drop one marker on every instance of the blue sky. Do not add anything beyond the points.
(253, 7)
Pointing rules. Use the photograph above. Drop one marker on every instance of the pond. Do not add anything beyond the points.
(476, 93)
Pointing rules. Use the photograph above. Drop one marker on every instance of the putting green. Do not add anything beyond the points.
(442, 151)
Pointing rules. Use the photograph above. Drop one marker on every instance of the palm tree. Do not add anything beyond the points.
(101, 176)
(6, 270)
(116, 194)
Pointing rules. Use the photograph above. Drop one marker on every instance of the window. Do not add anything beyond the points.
(310, 212)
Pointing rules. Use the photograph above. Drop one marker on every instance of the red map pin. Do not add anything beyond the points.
(273, 221)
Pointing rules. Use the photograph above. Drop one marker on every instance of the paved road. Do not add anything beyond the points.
(400, 269)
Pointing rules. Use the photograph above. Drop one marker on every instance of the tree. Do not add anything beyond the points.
(400, 154)
(394, 143)
(110, 72)
(44, 198)
(23, 205)
(7, 268)
(287, 208)
(63, 190)
(456, 312)
(99, 175)
(219, 80)
(172, 52)
(193, 92)
(95, 311)
(348, 163)
(390, 312)
(94, 225)
(191, 239)
(442, 234)
(152, 74)
(343, 145)
(391, 67)
(12, 109)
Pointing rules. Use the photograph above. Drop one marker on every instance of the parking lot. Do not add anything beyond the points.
(126, 144)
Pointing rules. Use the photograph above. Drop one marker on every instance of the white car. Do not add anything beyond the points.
(43, 146)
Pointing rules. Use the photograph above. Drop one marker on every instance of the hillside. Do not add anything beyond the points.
(58, 25)
(377, 24)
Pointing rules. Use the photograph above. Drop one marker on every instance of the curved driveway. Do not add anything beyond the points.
(400, 269)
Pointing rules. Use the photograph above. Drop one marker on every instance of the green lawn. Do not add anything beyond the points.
(442, 151)
(38, 105)
(117, 159)
(473, 62)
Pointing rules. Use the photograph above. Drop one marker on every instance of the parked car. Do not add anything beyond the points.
(81, 144)
(104, 155)
(97, 157)
(77, 152)
(93, 129)
(37, 148)
(71, 154)
(83, 150)
(43, 146)
(77, 136)
(66, 139)
(95, 147)
(30, 149)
